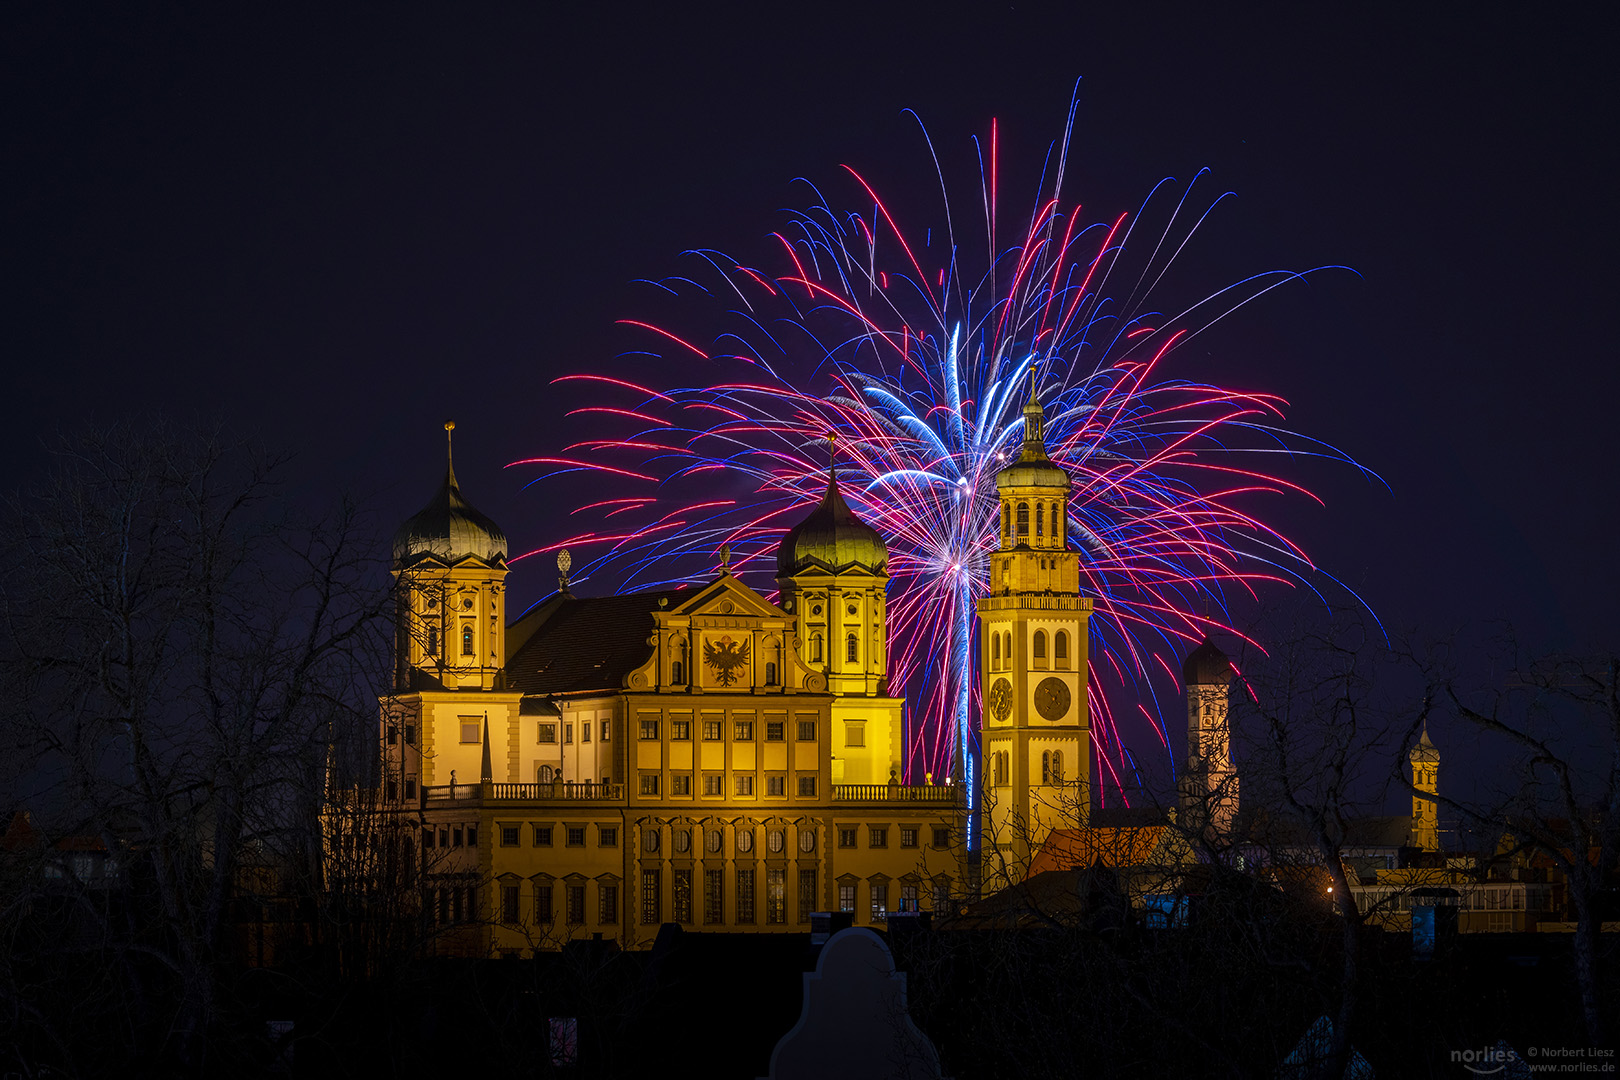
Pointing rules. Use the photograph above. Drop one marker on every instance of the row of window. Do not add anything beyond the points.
(878, 897)
(1051, 768)
(546, 731)
(715, 730)
(714, 784)
(1001, 649)
(877, 836)
(466, 640)
(1044, 513)
(393, 734)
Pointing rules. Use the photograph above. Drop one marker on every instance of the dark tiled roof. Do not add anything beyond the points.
(585, 643)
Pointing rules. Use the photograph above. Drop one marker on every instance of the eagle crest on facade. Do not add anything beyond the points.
(727, 658)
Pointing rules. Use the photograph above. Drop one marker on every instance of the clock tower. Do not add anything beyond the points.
(1035, 734)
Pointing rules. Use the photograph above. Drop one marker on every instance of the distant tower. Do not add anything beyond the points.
(1209, 783)
(450, 562)
(1035, 734)
(1425, 761)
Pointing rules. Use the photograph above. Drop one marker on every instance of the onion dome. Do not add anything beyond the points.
(832, 538)
(1033, 467)
(448, 529)
(1206, 666)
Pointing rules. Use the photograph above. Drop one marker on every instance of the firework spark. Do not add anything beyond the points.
(918, 360)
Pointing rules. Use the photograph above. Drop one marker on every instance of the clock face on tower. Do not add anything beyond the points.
(1000, 699)
(1052, 698)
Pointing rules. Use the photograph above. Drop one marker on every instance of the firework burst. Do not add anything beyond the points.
(918, 359)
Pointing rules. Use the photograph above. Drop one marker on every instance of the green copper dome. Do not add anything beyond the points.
(449, 529)
(833, 539)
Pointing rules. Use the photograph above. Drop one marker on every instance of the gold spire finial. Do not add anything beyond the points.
(450, 450)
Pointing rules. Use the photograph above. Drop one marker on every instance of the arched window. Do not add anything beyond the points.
(677, 673)
(1006, 520)
(1046, 767)
(547, 774)
(433, 641)
(852, 649)
(1057, 766)
(1040, 644)
(815, 648)
(466, 641)
(995, 652)
(1040, 520)
(1023, 520)
(1057, 523)
(1007, 650)
(1060, 648)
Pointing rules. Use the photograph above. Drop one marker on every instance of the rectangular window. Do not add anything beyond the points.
(585, 731)
(393, 734)
(649, 729)
(908, 898)
(908, 837)
(745, 784)
(608, 904)
(942, 837)
(776, 897)
(649, 783)
(846, 898)
(807, 787)
(427, 839)
(455, 836)
(855, 733)
(714, 898)
(410, 734)
(713, 731)
(773, 731)
(745, 897)
(651, 898)
(680, 784)
(469, 731)
(576, 904)
(545, 733)
(743, 731)
(472, 836)
(607, 730)
(807, 731)
(568, 734)
(846, 838)
(680, 730)
(807, 894)
(542, 904)
(877, 837)
(942, 897)
(410, 787)
(391, 789)
(509, 836)
(681, 889)
(444, 837)
(609, 836)
(776, 785)
(509, 904)
(576, 836)
(542, 836)
(880, 902)
(712, 784)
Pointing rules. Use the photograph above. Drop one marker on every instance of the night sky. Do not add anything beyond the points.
(338, 230)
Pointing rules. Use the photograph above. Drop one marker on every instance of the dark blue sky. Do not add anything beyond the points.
(340, 228)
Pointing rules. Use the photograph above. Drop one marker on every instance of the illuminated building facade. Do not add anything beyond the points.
(1035, 738)
(701, 756)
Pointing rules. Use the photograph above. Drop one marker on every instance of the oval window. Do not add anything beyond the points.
(745, 841)
(649, 840)
(683, 841)
(807, 840)
(776, 841)
(715, 840)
